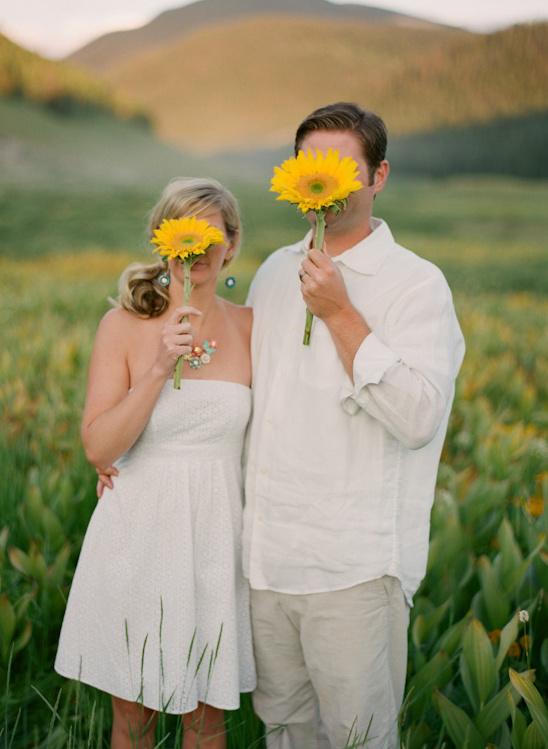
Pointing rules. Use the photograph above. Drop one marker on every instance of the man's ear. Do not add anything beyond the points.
(381, 175)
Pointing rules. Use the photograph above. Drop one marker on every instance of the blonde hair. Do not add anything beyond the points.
(139, 289)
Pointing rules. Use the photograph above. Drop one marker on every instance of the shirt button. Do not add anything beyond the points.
(263, 470)
(270, 422)
(260, 518)
(282, 374)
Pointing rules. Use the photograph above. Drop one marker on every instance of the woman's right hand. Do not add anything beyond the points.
(104, 479)
(176, 340)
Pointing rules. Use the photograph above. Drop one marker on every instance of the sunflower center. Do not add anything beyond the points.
(313, 185)
(187, 240)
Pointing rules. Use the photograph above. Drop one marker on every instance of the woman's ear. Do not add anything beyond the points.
(233, 245)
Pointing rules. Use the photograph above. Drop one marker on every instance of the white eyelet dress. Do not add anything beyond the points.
(158, 611)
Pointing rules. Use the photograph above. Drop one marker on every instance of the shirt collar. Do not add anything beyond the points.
(365, 257)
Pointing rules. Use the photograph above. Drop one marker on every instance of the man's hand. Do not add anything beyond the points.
(325, 294)
(323, 287)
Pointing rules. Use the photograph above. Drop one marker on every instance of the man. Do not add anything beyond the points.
(343, 455)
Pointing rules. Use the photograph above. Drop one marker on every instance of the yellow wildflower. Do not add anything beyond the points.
(535, 506)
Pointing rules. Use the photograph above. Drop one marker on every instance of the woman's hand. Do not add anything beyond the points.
(104, 479)
(176, 340)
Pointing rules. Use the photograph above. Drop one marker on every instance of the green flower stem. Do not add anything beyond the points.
(320, 230)
(187, 288)
(177, 374)
(526, 645)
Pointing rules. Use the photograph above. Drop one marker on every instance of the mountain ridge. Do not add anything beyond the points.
(242, 85)
(262, 75)
(112, 48)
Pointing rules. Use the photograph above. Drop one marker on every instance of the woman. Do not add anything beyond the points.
(158, 610)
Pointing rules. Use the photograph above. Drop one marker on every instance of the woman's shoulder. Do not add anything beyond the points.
(238, 311)
(240, 315)
(120, 321)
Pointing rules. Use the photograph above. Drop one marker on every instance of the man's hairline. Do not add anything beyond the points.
(341, 130)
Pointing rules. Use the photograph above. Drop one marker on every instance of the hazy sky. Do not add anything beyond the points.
(55, 28)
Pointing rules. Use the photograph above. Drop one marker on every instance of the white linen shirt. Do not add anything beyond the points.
(340, 477)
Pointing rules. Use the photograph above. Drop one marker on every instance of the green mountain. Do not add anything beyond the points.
(62, 88)
(40, 146)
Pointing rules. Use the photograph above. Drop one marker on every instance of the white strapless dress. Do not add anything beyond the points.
(158, 611)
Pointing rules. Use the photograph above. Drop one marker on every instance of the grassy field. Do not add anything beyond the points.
(61, 253)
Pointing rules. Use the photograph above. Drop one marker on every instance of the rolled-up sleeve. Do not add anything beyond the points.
(407, 382)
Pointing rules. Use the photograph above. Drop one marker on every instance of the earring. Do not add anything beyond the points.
(164, 279)
(230, 282)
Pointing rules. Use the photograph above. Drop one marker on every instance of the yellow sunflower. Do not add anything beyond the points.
(318, 182)
(185, 237)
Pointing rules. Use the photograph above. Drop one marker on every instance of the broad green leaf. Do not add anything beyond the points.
(516, 575)
(33, 505)
(469, 684)
(59, 567)
(459, 726)
(52, 528)
(477, 651)
(436, 673)
(447, 544)
(38, 567)
(7, 619)
(495, 602)
(64, 497)
(20, 561)
(518, 723)
(425, 624)
(510, 555)
(23, 639)
(451, 640)
(535, 702)
(418, 630)
(22, 604)
(507, 637)
(4, 533)
(532, 738)
(497, 710)
(483, 496)
(416, 737)
(544, 653)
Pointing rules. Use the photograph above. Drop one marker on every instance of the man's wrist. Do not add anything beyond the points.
(347, 319)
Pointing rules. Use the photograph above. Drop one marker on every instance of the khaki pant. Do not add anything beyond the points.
(336, 660)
